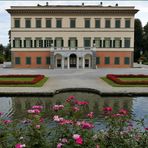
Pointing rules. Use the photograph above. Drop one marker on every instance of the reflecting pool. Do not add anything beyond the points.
(15, 107)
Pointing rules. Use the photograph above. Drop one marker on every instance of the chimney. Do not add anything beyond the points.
(46, 3)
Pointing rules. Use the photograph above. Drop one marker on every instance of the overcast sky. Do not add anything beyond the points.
(5, 17)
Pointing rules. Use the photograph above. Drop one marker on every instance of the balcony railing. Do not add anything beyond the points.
(69, 48)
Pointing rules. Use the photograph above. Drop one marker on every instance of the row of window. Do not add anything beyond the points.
(72, 43)
(72, 23)
(28, 60)
(116, 60)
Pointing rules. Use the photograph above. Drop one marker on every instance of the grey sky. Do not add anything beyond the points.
(5, 18)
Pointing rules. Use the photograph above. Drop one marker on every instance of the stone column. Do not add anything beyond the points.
(67, 62)
(83, 63)
(62, 62)
(77, 62)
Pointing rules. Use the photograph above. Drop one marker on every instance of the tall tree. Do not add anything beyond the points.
(138, 42)
(145, 38)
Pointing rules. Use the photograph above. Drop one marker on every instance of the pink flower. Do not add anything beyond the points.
(37, 107)
(57, 119)
(38, 126)
(81, 102)
(86, 125)
(75, 109)
(7, 121)
(70, 98)
(107, 109)
(20, 145)
(57, 107)
(123, 111)
(59, 145)
(33, 111)
(97, 146)
(64, 140)
(76, 136)
(146, 128)
(41, 120)
(90, 115)
(1, 113)
(79, 141)
(62, 122)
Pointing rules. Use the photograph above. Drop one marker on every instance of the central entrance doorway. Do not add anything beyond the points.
(73, 61)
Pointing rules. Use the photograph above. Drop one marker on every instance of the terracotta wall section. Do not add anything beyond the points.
(33, 55)
(112, 55)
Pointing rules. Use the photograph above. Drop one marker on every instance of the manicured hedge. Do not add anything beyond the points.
(36, 79)
(116, 78)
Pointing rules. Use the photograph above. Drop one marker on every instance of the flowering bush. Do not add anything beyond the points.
(72, 126)
(35, 80)
(116, 78)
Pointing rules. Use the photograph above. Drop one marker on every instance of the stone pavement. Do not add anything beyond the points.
(75, 79)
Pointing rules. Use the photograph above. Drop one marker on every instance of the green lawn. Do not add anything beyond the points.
(110, 82)
(133, 79)
(16, 79)
(39, 84)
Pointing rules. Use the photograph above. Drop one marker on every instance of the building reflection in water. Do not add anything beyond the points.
(20, 105)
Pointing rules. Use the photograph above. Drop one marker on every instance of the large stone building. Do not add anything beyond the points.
(66, 37)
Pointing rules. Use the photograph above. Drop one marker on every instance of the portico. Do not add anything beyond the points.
(72, 59)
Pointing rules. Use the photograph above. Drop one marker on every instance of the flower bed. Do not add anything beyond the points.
(116, 78)
(36, 79)
(69, 128)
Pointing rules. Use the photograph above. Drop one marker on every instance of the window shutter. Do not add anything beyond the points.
(120, 43)
(62, 43)
(76, 43)
(13, 43)
(100, 43)
(20, 43)
(68, 43)
(110, 43)
(103, 43)
(35, 43)
(55, 43)
(31, 43)
(114, 43)
(24, 43)
(45, 41)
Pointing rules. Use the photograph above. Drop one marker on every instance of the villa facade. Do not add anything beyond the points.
(91, 36)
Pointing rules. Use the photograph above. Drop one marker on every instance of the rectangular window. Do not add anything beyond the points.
(117, 60)
(17, 43)
(97, 23)
(117, 43)
(87, 42)
(38, 60)
(59, 23)
(127, 42)
(107, 43)
(97, 60)
(28, 23)
(48, 60)
(127, 60)
(107, 60)
(48, 42)
(127, 23)
(59, 42)
(38, 42)
(17, 23)
(38, 23)
(117, 23)
(72, 43)
(28, 42)
(87, 23)
(17, 60)
(98, 43)
(28, 60)
(48, 23)
(107, 23)
(72, 23)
